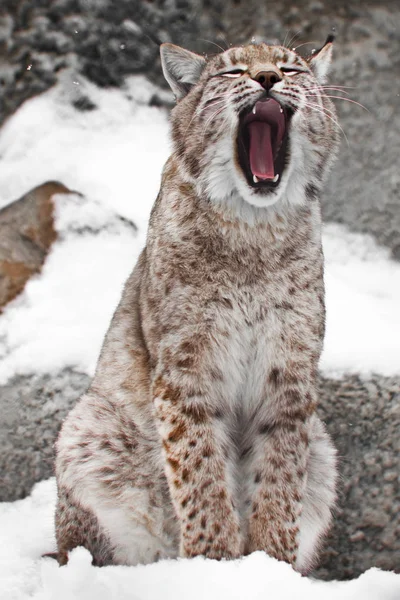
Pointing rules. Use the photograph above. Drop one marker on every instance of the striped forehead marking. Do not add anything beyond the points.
(261, 53)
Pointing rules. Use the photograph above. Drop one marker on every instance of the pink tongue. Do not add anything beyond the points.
(261, 156)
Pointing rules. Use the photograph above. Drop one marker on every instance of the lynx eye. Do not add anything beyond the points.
(290, 71)
(234, 73)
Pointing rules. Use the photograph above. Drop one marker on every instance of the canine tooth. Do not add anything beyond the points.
(275, 179)
(254, 109)
(255, 179)
(281, 109)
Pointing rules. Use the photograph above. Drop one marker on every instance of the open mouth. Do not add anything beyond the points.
(262, 143)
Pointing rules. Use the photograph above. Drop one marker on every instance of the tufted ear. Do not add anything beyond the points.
(320, 61)
(181, 68)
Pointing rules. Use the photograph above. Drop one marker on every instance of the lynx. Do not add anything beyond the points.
(198, 434)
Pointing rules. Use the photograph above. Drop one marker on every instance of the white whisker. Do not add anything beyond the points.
(305, 44)
(323, 90)
(211, 105)
(293, 38)
(287, 33)
(209, 121)
(214, 44)
(324, 111)
(216, 102)
(349, 100)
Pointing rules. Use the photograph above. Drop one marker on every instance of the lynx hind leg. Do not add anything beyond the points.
(319, 496)
(78, 526)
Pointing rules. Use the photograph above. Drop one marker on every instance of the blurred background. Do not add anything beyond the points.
(87, 51)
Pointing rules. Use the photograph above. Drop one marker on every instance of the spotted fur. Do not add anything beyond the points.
(198, 434)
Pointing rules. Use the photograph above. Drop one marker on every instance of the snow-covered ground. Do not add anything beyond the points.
(27, 532)
(113, 155)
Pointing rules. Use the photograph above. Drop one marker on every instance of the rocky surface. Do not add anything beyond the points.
(32, 409)
(363, 418)
(26, 234)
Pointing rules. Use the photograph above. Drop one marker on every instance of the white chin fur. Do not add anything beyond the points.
(256, 199)
(262, 201)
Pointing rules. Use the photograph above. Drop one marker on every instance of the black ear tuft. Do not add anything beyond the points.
(320, 60)
(329, 40)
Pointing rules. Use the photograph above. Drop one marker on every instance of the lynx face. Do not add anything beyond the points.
(252, 122)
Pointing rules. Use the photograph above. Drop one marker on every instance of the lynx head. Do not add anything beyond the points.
(252, 122)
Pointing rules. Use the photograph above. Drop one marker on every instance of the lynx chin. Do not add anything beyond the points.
(198, 434)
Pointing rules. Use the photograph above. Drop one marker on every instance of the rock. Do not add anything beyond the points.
(32, 410)
(26, 234)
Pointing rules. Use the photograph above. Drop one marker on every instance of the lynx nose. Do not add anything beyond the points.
(267, 79)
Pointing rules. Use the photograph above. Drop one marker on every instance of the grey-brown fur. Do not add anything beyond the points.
(198, 434)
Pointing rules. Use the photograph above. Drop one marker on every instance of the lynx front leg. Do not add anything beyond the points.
(281, 466)
(279, 478)
(196, 471)
(289, 521)
(279, 470)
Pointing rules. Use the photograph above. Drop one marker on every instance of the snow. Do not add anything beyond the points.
(27, 532)
(114, 156)
(63, 315)
(362, 300)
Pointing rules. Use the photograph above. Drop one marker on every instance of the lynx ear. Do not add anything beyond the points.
(181, 68)
(320, 61)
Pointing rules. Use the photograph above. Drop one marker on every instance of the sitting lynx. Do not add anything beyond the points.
(198, 434)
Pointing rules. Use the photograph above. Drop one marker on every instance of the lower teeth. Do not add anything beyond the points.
(275, 179)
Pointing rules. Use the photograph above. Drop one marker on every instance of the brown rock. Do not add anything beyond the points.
(26, 235)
